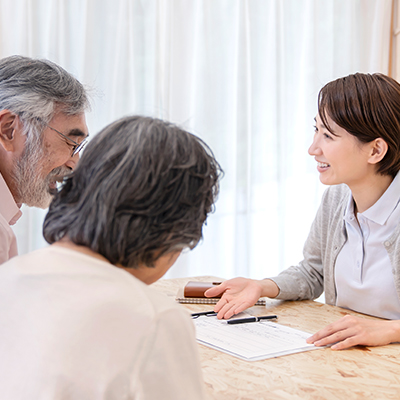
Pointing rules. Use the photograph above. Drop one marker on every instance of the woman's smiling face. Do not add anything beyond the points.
(341, 157)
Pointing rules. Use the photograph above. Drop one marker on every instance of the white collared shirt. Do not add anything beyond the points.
(9, 214)
(363, 272)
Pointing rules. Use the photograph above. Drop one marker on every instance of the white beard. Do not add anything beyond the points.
(33, 189)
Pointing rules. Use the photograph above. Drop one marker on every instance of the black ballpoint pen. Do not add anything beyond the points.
(251, 319)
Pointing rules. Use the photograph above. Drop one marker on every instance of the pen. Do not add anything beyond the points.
(252, 319)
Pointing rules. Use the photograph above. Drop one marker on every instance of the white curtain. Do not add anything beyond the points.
(396, 40)
(242, 74)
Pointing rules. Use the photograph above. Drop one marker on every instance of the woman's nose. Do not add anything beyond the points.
(314, 149)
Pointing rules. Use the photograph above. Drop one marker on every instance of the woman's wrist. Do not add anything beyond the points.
(269, 288)
(395, 331)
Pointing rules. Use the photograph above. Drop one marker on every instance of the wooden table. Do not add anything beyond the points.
(356, 373)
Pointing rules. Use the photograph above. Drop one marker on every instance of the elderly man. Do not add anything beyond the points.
(42, 130)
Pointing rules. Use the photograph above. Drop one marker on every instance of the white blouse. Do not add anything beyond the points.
(363, 272)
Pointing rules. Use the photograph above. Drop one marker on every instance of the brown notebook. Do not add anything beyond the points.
(197, 289)
(193, 293)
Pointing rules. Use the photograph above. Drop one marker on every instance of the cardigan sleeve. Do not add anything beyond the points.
(305, 281)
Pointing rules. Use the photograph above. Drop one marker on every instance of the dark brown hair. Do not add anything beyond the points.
(368, 107)
(142, 188)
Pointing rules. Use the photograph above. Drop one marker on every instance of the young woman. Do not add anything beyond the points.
(74, 324)
(353, 249)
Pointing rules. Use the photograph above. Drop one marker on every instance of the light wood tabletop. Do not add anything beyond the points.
(356, 373)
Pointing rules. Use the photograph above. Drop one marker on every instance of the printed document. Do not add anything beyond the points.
(251, 341)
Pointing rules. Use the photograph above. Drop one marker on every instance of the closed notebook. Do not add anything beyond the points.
(193, 293)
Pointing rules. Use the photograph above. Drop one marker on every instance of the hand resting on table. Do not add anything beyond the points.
(242, 293)
(351, 331)
(239, 294)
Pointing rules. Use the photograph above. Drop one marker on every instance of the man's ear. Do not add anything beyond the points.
(378, 151)
(8, 125)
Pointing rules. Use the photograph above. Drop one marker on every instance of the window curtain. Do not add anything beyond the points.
(242, 74)
(394, 67)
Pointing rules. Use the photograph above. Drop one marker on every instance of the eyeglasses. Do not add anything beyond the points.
(76, 147)
(205, 313)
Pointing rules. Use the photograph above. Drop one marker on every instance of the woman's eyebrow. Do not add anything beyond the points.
(322, 124)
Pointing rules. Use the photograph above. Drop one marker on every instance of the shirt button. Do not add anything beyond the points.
(386, 243)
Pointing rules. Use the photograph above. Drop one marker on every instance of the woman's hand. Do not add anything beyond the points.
(239, 294)
(350, 331)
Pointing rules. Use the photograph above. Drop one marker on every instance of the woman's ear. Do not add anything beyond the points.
(378, 151)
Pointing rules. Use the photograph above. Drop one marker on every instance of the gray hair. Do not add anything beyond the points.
(33, 88)
(143, 187)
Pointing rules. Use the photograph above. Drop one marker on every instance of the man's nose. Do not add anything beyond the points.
(72, 161)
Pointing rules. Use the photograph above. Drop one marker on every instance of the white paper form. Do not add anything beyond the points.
(251, 341)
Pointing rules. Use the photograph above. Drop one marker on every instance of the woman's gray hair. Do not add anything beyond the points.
(33, 88)
(143, 187)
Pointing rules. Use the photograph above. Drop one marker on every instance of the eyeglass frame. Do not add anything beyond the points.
(204, 313)
(77, 147)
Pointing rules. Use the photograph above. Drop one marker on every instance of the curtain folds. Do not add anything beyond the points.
(242, 74)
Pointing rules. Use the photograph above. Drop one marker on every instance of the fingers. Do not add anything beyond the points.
(227, 310)
(318, 336)
(242, 307)
(220, 304)
(328, 331)
(334, 338)
(345, 344)
(216, 290)
(238, 294)
(342, 340)
(347, 332)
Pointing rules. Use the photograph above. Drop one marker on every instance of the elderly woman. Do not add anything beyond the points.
(74, 324)
(352, 251)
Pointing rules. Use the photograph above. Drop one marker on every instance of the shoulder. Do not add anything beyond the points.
(334, 200)
(8, 241)
(331, 210)
(8, 208)
(97, 285)
(166, 310)
(336, 194)
(11, 266)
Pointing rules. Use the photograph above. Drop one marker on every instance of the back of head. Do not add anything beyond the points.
(143, 187)
(33, 89)
(368, 107)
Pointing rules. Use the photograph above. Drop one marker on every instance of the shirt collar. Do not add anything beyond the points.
(386, 204)
(8, 208)
(349, 211)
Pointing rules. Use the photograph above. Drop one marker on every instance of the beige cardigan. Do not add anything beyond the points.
(327, 236)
